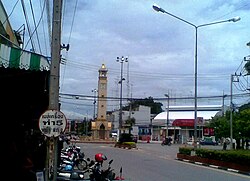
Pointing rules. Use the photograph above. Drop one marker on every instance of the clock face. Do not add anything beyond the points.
(103, 86)
(103, 74)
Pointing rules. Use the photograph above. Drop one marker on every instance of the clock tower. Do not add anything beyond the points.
(101, 127)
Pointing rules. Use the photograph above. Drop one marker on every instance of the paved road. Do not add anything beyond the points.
(155, 162)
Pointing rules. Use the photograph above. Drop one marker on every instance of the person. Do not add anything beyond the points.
(224, 145)
(169, 140)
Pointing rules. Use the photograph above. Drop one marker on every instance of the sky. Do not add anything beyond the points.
(160, 49)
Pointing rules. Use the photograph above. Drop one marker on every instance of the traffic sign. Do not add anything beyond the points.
(52, 123)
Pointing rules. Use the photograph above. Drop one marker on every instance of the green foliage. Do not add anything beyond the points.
(245, 106)
(241, 124)
(155, 106)
(247, 67)
(126, 145)
(185, 150)
(233, 156)
(126, 137)
(130, 122)
(129, 143)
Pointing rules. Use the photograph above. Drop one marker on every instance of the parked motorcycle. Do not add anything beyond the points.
(73, 156)
(93, 172)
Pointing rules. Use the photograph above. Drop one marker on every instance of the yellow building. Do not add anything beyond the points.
(100, 126)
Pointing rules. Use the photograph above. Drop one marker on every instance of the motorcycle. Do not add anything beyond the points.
(72, 156)
(166, 141)
(93, 172)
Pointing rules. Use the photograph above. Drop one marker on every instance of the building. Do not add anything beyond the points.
(181, 122)
(142, 117)
(24, 78)
(101, 127)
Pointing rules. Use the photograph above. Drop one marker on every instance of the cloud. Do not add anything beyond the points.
(160, 48)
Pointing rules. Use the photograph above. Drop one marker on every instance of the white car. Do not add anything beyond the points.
(191, 142)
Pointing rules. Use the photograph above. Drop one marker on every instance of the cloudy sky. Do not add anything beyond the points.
(159, 47)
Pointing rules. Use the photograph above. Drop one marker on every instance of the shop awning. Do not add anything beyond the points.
(11, 57)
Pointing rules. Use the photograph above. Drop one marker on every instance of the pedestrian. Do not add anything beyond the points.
(224, 144)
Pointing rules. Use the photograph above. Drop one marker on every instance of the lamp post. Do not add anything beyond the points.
(235, 19)
(167, 115)
(94, 90)
(121, 60)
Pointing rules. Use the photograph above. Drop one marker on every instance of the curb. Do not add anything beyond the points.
(214, 166)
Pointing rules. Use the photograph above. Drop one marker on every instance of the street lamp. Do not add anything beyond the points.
(167, 114)
(121, 60)
(235, 19)
(94, 90)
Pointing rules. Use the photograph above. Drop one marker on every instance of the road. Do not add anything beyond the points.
(155, 162)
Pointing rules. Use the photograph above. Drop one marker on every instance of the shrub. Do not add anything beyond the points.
(233, 156)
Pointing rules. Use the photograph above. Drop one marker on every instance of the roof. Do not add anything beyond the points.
(11, 57)
(185, 115)
(199, 108)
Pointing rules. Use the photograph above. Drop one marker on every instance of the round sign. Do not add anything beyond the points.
(52, 123)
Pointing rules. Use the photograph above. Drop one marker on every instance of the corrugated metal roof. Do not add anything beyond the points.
(185, 115)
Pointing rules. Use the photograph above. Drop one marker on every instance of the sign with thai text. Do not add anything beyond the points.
(52, 123)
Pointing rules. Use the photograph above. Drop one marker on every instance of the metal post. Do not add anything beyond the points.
(195, 88)
(121, 60)
(94, 90)
(159, 9)
(52, 151)
(231, 113)
(167, 95)
(120, 112)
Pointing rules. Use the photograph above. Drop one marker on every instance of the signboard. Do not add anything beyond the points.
(208, 131)
(183, 122)
(52, 123)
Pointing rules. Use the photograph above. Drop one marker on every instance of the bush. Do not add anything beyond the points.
(126, 145)
(125, 137)
(233, 156)
(185, 150)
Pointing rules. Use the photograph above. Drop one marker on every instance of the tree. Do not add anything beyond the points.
(241, 124)
(247, 67)
(155, 106)
(130, 122)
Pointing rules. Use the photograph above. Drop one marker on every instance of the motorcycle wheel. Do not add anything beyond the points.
(82, 165)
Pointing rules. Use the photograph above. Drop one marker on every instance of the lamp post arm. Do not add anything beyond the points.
(159, 9)
(217, 22)
(185, 21)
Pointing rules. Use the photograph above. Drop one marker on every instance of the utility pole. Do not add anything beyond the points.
(130, 111)
(52, 147)
(232, 107)
(167, 121)
(223, 104)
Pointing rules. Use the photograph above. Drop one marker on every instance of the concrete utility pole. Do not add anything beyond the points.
(167, 120)
(52, 149)
(233, 79)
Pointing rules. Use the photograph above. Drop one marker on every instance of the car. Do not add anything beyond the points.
(191, 142)
(208, 142)
(114, 135)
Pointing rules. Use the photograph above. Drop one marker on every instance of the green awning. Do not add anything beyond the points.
(11, 57)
